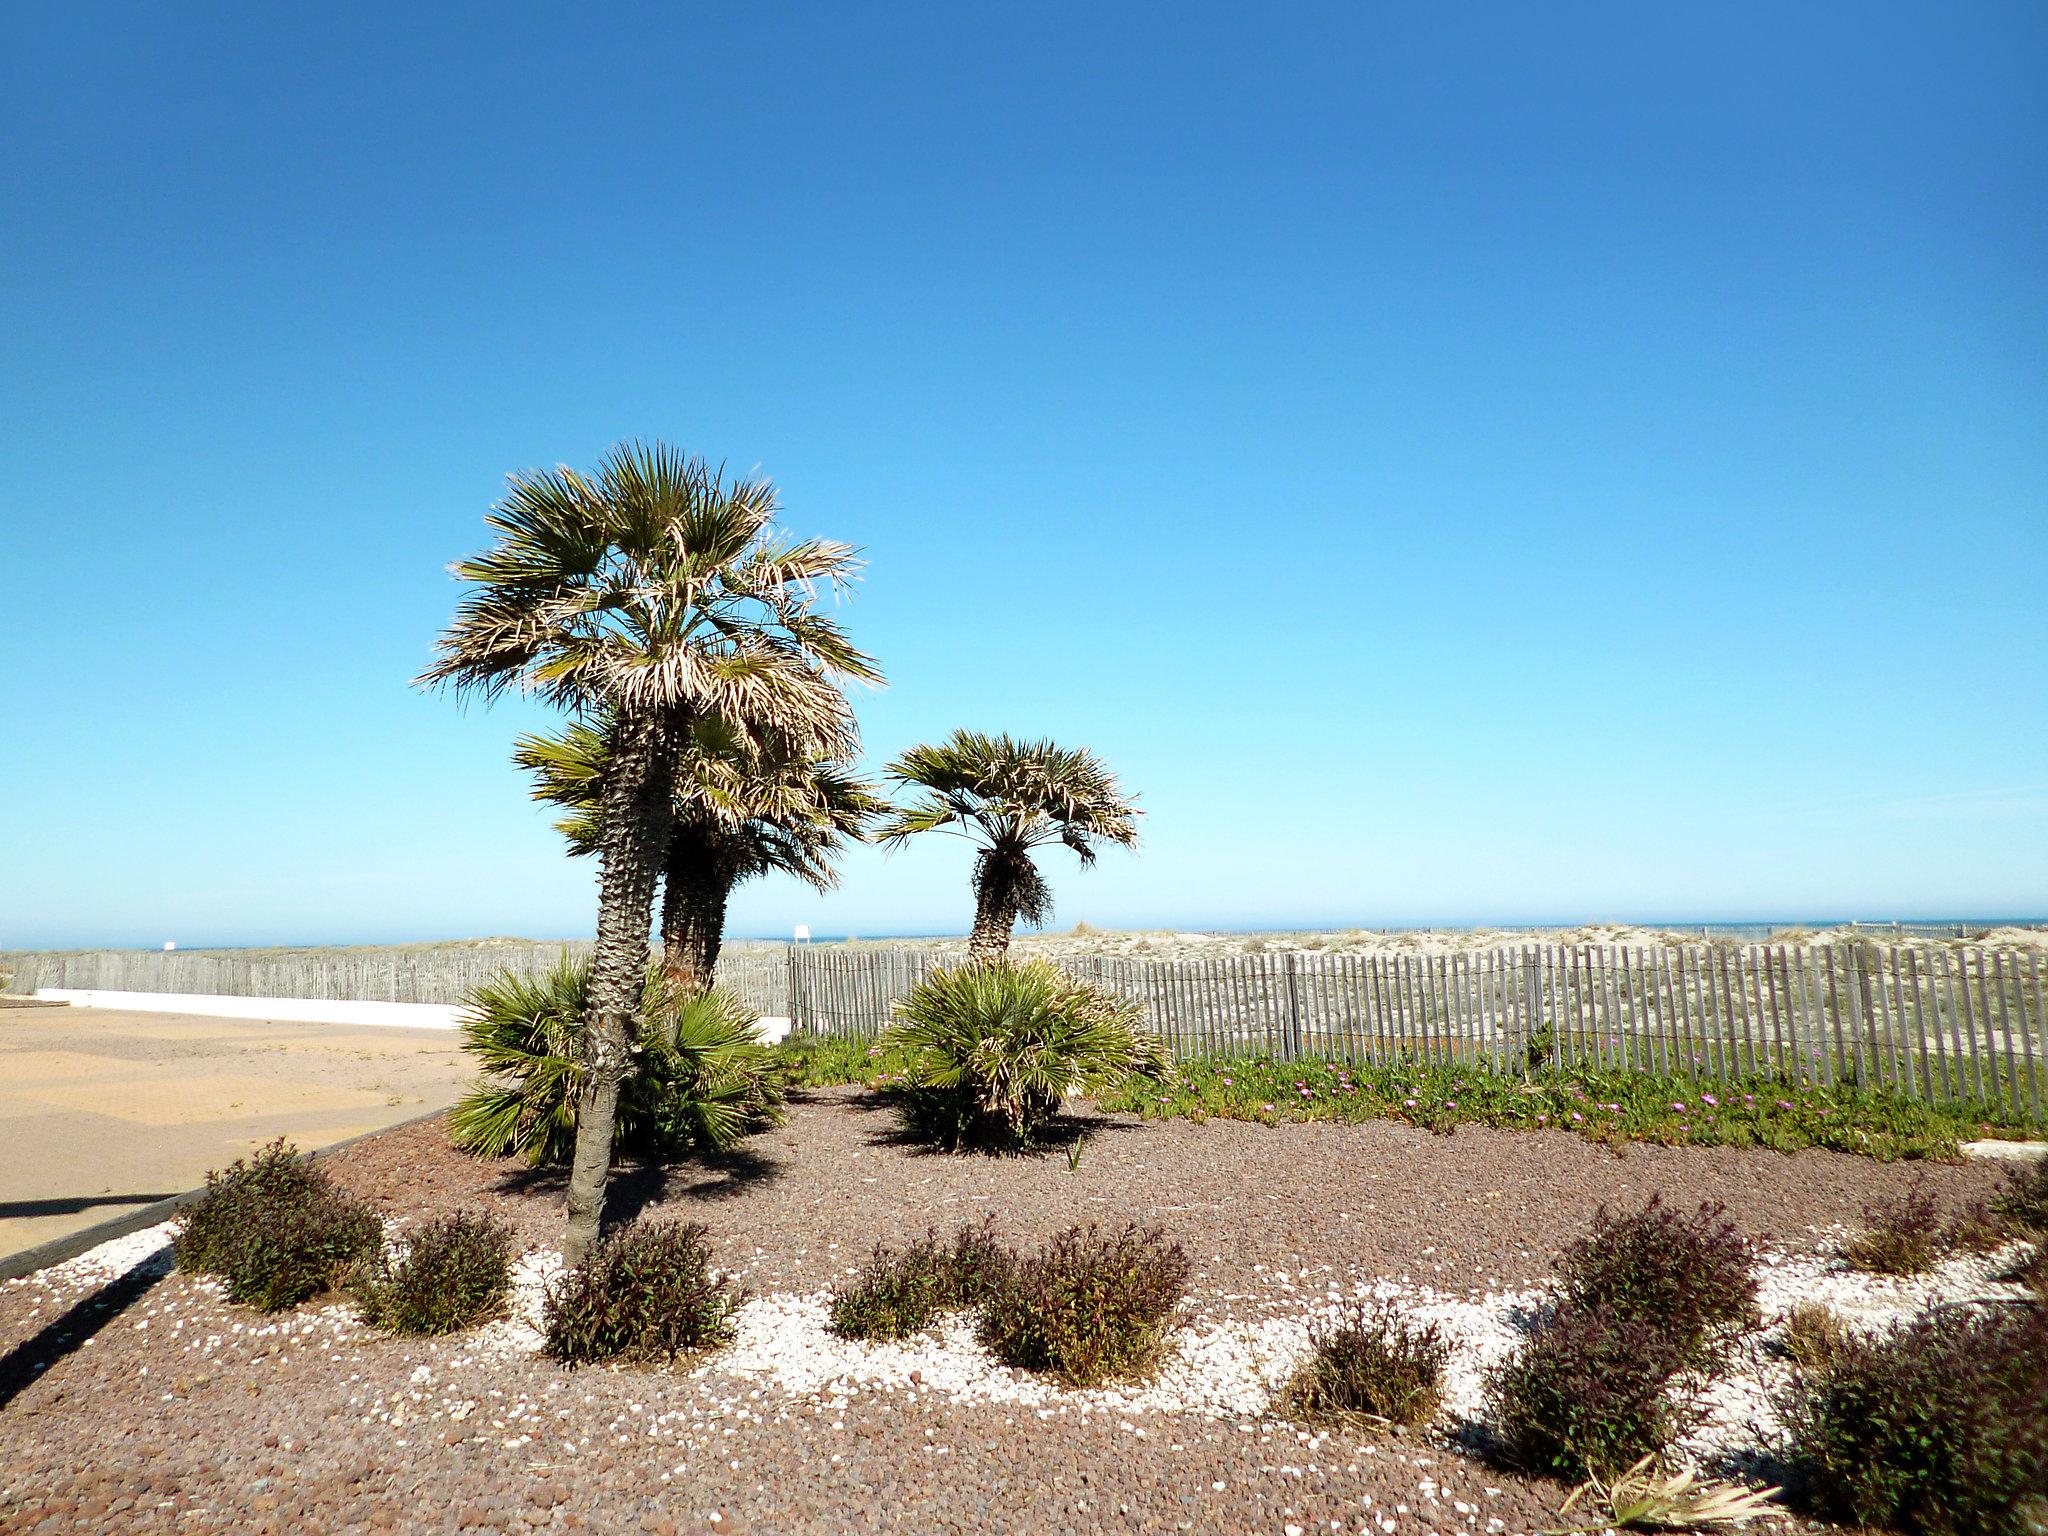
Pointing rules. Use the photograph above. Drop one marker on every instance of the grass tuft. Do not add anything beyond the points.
(1373, 1366)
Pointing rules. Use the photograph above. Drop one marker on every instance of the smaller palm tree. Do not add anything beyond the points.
(1011, 797)
(991, 1051)
(702, 1081)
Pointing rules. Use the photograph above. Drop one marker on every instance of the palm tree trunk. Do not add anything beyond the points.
(989, 943)
(694, 891)
(636, 824)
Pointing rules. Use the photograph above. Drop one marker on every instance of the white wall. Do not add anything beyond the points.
(303, 1010)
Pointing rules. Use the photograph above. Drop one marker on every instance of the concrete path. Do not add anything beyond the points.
(102, 1110)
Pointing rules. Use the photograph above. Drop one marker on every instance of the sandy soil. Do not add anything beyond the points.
(103, 1111)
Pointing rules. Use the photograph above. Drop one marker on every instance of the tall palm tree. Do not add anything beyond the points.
(741, 809)
(655, 589)
(1010, 797)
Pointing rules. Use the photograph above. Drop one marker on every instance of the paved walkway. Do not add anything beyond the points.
(102, 1111)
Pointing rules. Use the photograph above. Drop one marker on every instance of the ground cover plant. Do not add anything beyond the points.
(275, 1229)
(990, 1051)
(701, 1080)
(1089, 1307)
(1940, 1427)
(1589, 1394)
(1607, 1106)
(646, 1293)
(456, 1271)
(1372, 1365)
(900, 1291)
(1692, 1275)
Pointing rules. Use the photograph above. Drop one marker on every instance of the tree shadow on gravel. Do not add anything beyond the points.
(1056, 1138)
(636, 1188)
(68, 1333)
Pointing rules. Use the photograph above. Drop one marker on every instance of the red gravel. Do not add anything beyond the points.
(142, 1430)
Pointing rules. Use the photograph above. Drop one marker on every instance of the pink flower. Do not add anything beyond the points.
(1409, 1102)
(1679, 1107)
(1265, 1106)
(1541, 1118)
(1577, 1116)
(1450, 1103)
(1308, 1093)
(1708, 1098)
(1226, 1082)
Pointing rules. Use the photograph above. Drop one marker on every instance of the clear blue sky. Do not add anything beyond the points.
(1458, 463)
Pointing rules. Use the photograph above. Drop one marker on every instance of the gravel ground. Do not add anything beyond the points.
(175, 1411)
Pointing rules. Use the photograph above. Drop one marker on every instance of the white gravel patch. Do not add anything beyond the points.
(110, 1260)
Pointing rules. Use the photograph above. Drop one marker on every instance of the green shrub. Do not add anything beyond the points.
(1940, 1427)
(457, 1271)
(991, 1051)
(1589, 1393)
(275, 1229)
(1373, 1365)
(1899, 1237)
(702, 1078)
(900, 1292)
(1694, 1276)
(646, 1293)
(1089, 1308)
(2023, 1202)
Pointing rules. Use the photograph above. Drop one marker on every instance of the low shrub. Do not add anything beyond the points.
(646, 1293)
(1373, 1365)
(990, 1052)
(456, 1271)
(1089, 1308)
(701, 1081)
(1692, 1275)
(823, 1061)
(1590, 1393)
(275, 1229)
(1815, 1338)
(2023, 1202)
(1899, 1237)
(899, 1292)
(1940, 1427)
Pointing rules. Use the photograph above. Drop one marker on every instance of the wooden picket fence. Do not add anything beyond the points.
(1941, 1023)
(1938, 1024)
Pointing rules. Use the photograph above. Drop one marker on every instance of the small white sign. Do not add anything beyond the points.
(169, 945)
(803, 933)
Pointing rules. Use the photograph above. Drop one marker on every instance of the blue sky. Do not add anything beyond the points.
(1458, 463)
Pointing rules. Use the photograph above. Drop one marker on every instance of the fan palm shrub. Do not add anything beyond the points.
(743, 808)
(656, 590)
(702, 1078)
(1011, 797)
(991, 1051)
